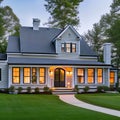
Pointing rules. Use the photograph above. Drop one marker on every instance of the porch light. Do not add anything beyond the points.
(68, 84)
(50, 72)
(69, 72)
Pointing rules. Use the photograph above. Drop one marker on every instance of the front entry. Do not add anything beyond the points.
(59, 77)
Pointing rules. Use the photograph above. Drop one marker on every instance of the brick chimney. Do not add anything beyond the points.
(107, 53)
(36, 23)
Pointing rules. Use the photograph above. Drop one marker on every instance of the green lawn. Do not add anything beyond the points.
(44, 107)
(105, 100)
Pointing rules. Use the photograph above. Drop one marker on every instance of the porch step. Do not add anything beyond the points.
(61, 91)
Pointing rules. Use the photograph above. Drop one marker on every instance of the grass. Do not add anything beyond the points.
(106, 100)
(44, 107)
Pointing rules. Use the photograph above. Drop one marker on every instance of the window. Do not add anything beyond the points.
(34, 75)
(80, 75)
(112, 77)
(15, 75)
(26, 75)
(73, 47)
(63, 47)
(42, 75)
(91, 76)
(68, 47)
(100, 76)
(0, 74)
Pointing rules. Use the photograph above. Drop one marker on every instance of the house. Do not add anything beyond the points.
(57, 58)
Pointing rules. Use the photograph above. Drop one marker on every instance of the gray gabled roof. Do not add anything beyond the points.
(47, 61)
(41, 42)
(86, 50)
(13, 45)
(38, 41)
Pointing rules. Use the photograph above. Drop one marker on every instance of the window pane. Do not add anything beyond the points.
(112, 77)
(26, 75)
(16, 75)
(73, 47)
(68, 47)
(80, 75)
(62, 73)
(91, 75)
(63, 47)
(42, 75)
(100, 75)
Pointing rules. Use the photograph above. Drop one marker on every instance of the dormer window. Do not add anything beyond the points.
(68, 47)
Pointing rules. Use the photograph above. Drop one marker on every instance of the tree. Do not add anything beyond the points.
(63, 12)
(12, 24)
(109, 25)
(115, 7)
(94, 37)
(9, 25)
(1, 1)
(114, 37)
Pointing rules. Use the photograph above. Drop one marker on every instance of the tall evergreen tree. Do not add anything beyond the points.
(110, 31)
(63, 12)
(113, 35)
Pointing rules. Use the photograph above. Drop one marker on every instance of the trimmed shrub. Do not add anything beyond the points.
(112, 87)
(118, 89)
(37, 90)
(86, 88)
(29, 90)
(102, 88)
(20, 90)
(106, 88)
(76, 89)
(46, 89)
(12, 89)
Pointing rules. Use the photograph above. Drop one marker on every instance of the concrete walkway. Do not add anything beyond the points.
(70, 99)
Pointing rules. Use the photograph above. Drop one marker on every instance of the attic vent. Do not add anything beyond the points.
(36, 23)
(69, 34)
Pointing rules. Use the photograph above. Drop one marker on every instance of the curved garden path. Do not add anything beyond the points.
(70, 99)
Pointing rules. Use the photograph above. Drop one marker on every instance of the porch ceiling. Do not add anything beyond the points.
(47, 61)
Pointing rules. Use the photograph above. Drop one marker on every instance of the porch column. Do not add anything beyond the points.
(21, 76)
(37, 75)
(96, 82)
(106, 77)
(86, 76)
(73, 77)
(48, 80)
(9, 76)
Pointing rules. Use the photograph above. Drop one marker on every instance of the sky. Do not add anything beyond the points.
(90, 12)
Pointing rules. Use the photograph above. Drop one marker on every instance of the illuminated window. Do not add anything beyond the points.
(100, 76)
(26, 75)
(15, 75)
(73, 47)
(80, 75)
(68, 47)
(112, 77)
(91, 75)
(42, 75)
(34, 75)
